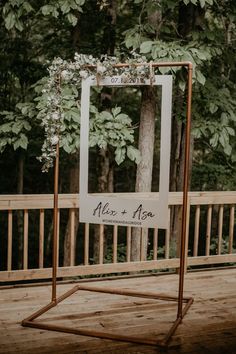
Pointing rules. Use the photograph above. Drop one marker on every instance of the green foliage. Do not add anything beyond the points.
(115, 129)
(202, 3)
(32, 33)
(15, 127)
(224, 245)
(16, 11)
(218, 125)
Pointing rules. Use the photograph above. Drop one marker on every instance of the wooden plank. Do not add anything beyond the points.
(144, 240)
(41, 238)
(199, 333)
(26, 234)
(231, 228)
(155, 243)
(196, 231)
(101, 243)
(187, 233)
(115, 239)
(128, 242)
(72, 237)
(113, 268)
(208, 229)
(37, 201)
(45, 201)
(9, 241)
(220, 228)
(86, 244)
(167, 237)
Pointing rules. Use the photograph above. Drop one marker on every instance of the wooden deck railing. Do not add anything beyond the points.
(211, 237)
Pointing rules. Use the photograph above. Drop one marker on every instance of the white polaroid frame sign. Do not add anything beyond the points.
(123, 210)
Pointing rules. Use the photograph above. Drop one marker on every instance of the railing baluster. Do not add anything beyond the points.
(128, 247)
(26, 234)
(86, 244)
(196, 231)
(187, 236)
(231, 228)
(167, 237)
(9, 241)
(72, 237)
(101, 243)
(144, 238)
(115, 239)
(41, 238)
(208, 229)
(155, 243)
(220, 228)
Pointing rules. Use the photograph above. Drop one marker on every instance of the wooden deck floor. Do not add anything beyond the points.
(209, 327)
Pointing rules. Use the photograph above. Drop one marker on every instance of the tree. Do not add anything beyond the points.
(33, 33)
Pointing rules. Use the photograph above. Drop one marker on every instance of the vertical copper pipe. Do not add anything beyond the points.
(185, 194)
(55, 226)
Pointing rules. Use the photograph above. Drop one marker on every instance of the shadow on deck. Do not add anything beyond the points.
(209, 326)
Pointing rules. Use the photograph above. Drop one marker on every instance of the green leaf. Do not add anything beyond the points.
(119, 155)
(200, 78)
(182, 85)
(213, 107)
(5, 128)
(214, 140)
(116, 111)
(47, 9)
(202, 3)
(27, 6)
(104, 115)
(228, 150)
(10, 20)
(19, 25)
(80, 2)
(72, 19)
(146, 47)
(21, 142)
(133, 154)
(230, 131)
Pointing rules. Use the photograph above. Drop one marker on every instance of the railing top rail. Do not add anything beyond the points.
(68, 201)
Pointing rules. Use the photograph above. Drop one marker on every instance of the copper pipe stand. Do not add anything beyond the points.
(30, 321)
(180, 299)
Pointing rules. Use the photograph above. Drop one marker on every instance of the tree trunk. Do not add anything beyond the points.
(105, 185)
(105, 166)
(73, 188)
(144, 168)
(20, 213)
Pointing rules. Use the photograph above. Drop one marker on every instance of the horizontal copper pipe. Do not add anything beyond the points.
(154, 65)
(91, 333)
(39, 312)
(133, 293)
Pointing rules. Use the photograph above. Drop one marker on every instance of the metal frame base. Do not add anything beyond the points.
(30, 321)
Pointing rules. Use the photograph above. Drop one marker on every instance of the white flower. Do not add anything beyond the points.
(101, 69)
(54, 140)
(64, 74)
(83, 74)
(55, 116)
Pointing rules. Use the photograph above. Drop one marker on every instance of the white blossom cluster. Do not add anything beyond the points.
(63, 72)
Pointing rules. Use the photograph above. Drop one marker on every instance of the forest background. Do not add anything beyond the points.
(33, 33)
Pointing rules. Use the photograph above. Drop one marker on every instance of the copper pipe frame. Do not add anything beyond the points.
(180, 299)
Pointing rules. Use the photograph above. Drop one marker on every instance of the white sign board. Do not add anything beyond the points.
(111, 209)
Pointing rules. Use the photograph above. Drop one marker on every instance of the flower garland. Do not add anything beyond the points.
(63, 72)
